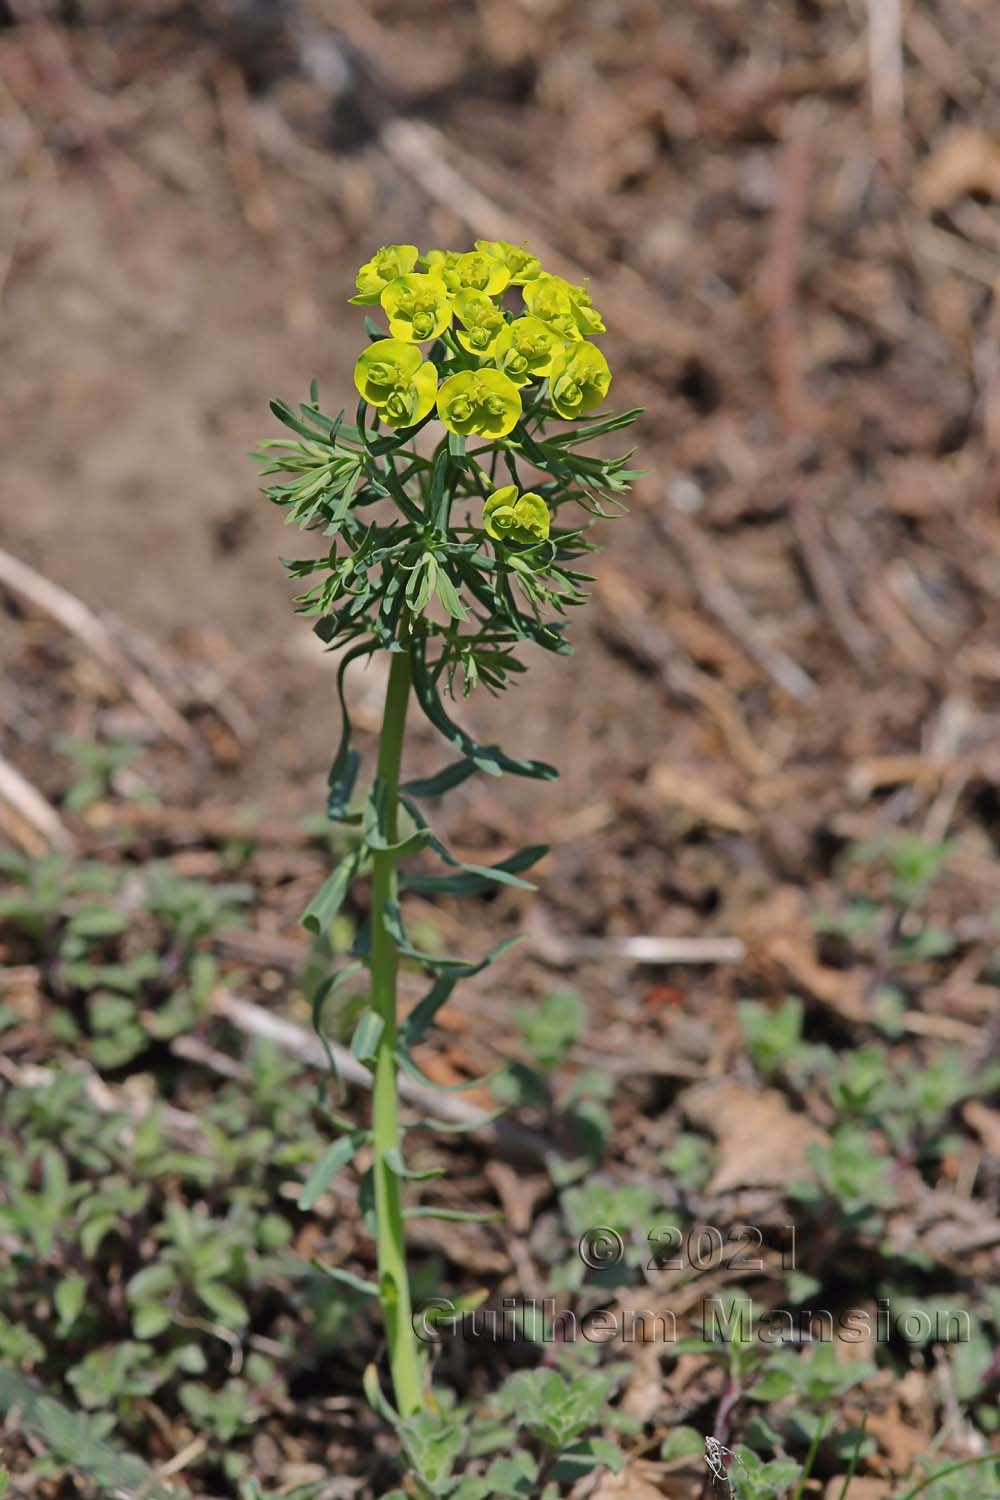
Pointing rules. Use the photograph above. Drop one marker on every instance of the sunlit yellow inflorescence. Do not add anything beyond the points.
(479, 401)
(522, 265)
(385, 265)
(474, 271)
(578, 380)
(500, 326)
(508, 517)
(525, 349)
(418, 307)
(395, 379)
(482, 322)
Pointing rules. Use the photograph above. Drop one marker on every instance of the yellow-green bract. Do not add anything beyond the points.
(479, 401)
(508, 518)
(482, 322)
(418, 307)
(524, 349)
(522, 265)
(385, 266)
(565, 305)
(393, 377)
(579, 380)
(472, 271)
(548, 298)
(493, 357)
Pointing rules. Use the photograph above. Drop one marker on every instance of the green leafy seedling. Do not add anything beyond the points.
(850, 1176)
(97, 766)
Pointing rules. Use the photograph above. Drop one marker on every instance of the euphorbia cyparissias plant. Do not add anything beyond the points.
(447, 555)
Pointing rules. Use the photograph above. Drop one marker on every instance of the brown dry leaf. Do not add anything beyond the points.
(635, 1482)
(901, 1442)
(644, 1393)
(781, 935)
(985, 1122)
(841, 992)
(917, 1395)
(520, 1193)
(968, 161)
(688, 790)
(858, 1489)
(762, 1143)
(874, 772)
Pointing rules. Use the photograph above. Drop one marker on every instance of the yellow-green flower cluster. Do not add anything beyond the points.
(495, 350)
(510, 517)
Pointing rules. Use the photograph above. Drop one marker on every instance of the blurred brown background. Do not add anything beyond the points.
(789, 212)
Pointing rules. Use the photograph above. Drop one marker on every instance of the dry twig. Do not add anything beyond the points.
(75, 616)
(513, 1140)
(242, 157)
(722, 600)
(29, 804)
(885, 67)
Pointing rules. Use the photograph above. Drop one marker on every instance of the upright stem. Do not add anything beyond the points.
(394, 1285)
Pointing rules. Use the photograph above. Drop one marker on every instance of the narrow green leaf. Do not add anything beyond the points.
(150, 1320)
(328, 900)
(421, 1017)
(394, 1161)
(576, 435)
(356, 1283)
(461, 968)
(476, 879)
(284, 414)
(324, 1170)
(374, 821)
(376, 1400)
(325, 992)
(442, 781)
(69, 1297)
(369, 1029)
(344, 771)
(488, 758)
(459, 1127)
(406, 1062)
(501, 873)
(452, 1215)
(421, 583)
(448, 595)
(223, 1303)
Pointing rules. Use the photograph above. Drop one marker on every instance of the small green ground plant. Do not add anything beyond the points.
(449, 548)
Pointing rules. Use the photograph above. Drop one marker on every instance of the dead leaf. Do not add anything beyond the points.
(643, 1395)
(633, 1483)
(985, 1122)
(762, 1143)
(780, 935)
(901, 1442)
(858, 1489)
(687, 789)
(519, 1193)
(841, 992)
(967, 162)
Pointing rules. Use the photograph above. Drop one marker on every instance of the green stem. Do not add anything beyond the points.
(394, 1285)
(965, 1463)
